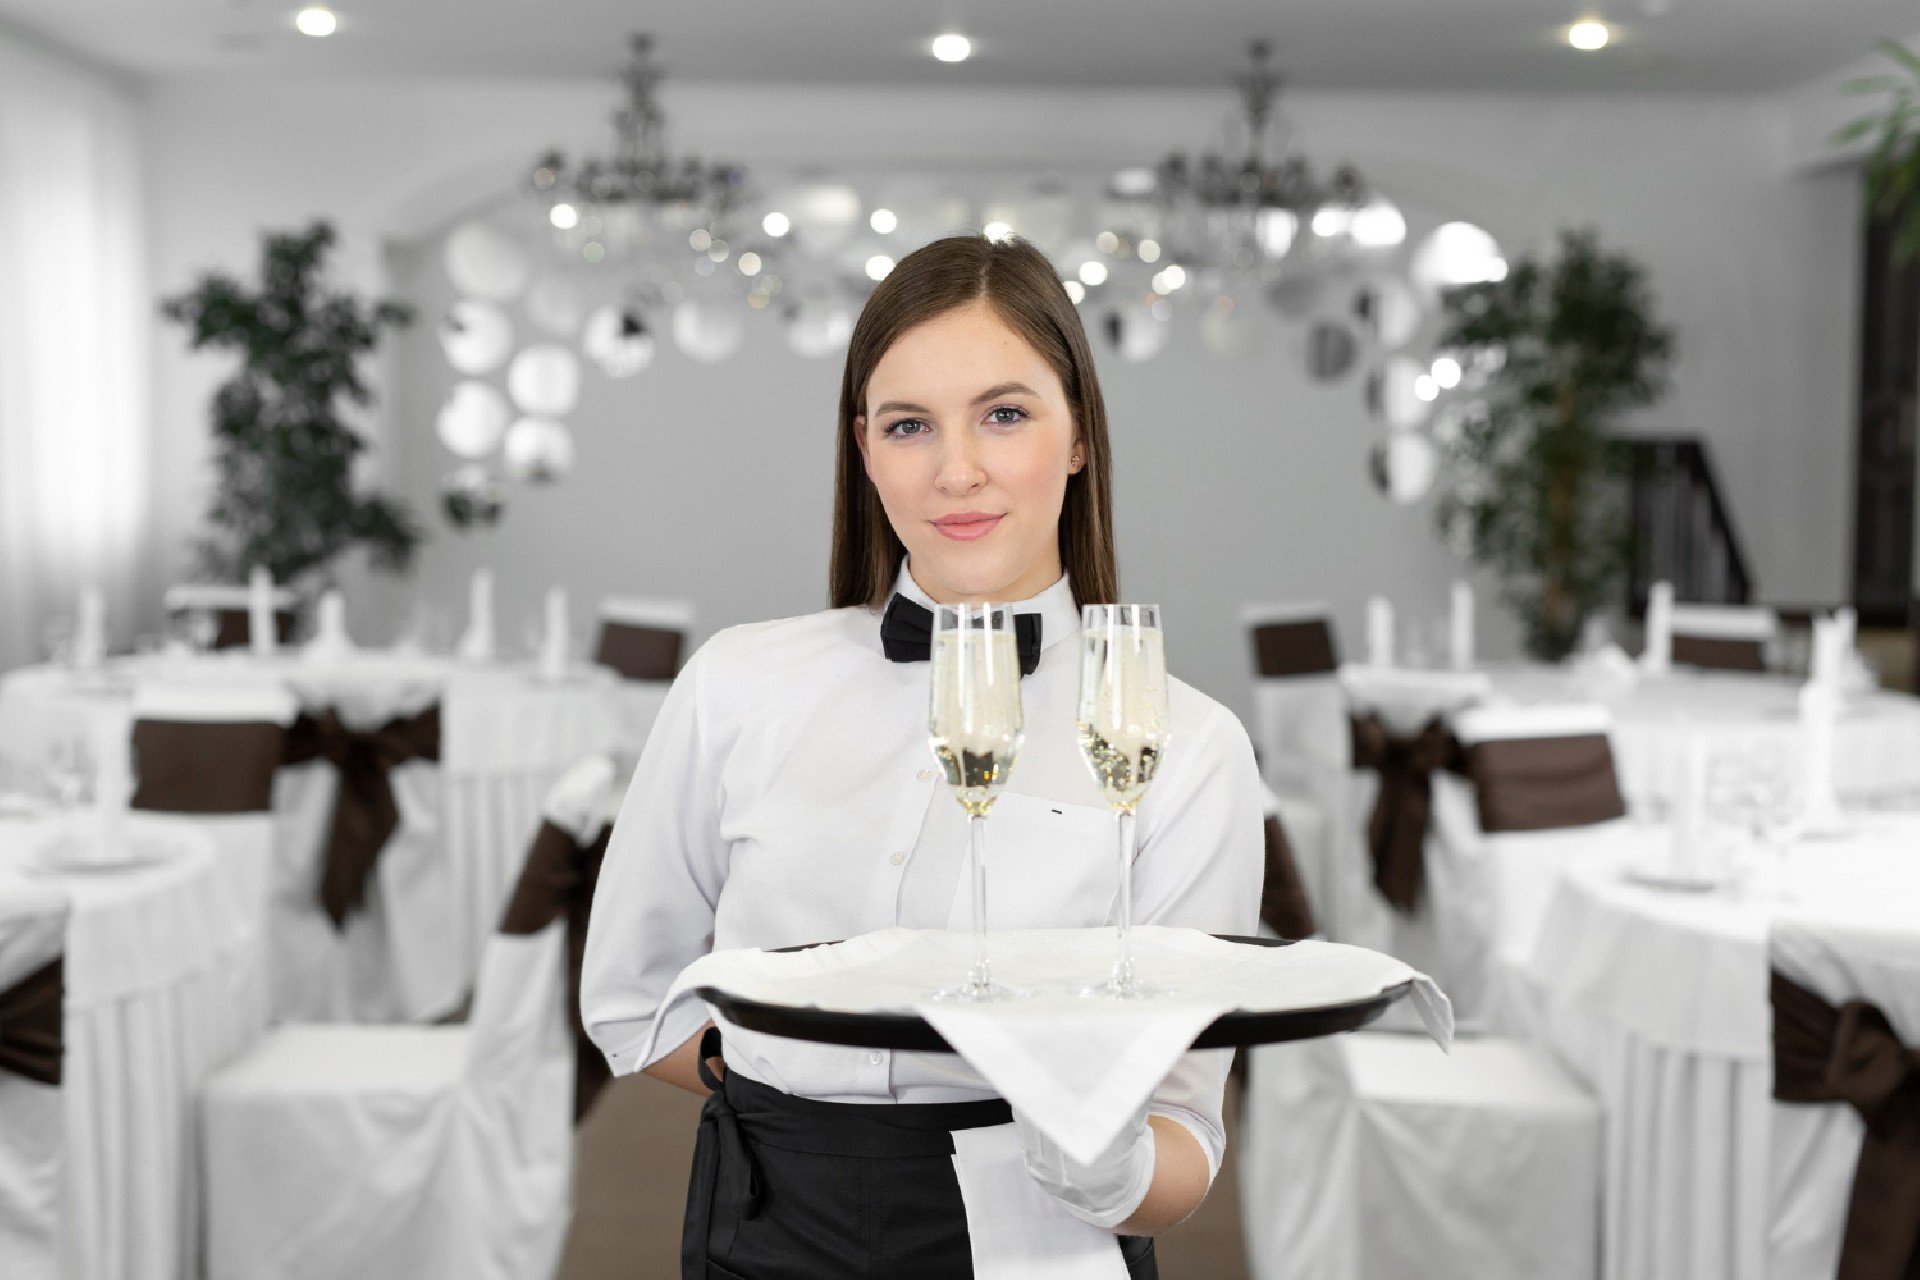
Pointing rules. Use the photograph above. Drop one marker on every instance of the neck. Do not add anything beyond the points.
(1029, 584)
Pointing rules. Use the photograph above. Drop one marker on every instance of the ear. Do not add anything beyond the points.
(1077, 459)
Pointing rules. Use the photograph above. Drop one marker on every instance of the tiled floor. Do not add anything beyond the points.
(633, 1154)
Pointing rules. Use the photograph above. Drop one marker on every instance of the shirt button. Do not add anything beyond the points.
(897, 859)
(876, 1058)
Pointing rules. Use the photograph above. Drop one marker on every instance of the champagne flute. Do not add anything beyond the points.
(1123, 730)
(975, 727)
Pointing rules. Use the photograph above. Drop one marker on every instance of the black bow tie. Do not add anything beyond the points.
(906, 633)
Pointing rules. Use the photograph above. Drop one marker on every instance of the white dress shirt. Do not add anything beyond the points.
(787, 795)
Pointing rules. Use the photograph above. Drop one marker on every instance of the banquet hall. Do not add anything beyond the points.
(1509, 411)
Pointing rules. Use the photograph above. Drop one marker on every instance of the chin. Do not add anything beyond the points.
(984, 576)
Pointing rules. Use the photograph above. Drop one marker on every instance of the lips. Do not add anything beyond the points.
(968, 526)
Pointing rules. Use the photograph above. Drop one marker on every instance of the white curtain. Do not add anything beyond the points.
(75, 342)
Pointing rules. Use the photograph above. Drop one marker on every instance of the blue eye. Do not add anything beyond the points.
(1018, 415)
(900, 428)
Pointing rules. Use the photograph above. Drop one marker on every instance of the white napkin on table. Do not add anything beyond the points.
(476, 644)
(554, 640)
(330, 638)
(89, 630)
(1460, 627)
(1379, 631)
(1656, 656)
(1080, 1068)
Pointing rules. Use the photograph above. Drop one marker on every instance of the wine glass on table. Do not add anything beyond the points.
(976, 729)
(1123, 731)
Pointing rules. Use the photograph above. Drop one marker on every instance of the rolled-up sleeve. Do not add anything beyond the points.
(1198, 867)
(653, 908)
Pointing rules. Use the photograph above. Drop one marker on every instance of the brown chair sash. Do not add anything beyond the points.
(1283, 897)
(1720, 653)
(559, 879)
(31, 1010)
(1397, 832)
(639, 652)
(1851, 1055)
(1296, 648)
(190, 766)
(365, 813)
(1537, 784)
(234, 626)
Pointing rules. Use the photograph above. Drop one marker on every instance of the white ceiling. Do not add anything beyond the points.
(1694, 46)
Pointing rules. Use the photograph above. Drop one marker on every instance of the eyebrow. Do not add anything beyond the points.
(991, 393)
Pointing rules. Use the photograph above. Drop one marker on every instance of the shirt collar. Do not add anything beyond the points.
(1060, 616)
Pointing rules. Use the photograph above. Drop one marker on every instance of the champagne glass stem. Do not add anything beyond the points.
(1123, 967)
(981, 979)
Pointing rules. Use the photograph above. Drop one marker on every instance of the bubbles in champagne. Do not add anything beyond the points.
(1122, 770)
(975, 776)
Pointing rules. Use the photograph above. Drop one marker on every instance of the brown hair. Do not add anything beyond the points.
(1024, 290)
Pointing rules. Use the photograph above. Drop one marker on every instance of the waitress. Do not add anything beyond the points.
(787, 795)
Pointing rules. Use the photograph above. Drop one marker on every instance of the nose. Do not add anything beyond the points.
(960, 469)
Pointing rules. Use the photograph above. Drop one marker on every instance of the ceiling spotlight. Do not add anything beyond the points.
(1589, 34)
(952, 48)
(564, 216)
(776, 224)
(316, 20)
(998, 232)
(884, 221)
(878, 266)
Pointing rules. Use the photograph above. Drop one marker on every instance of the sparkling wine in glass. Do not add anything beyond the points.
(1123, 730)
(976, 729)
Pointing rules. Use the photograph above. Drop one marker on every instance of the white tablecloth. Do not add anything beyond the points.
(506, 735)
(1659, 999)
(1876, 743)
(151, 969)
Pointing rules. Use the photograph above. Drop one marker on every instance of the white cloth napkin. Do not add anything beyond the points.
(330, 638)
(476, 644)
(1460, 627)
(1379, 631)
(554, 640)
(1656, 658)
(1607, 673)
(260, 628)
(1015, 1230)
(89, 630)
(1081, 1068)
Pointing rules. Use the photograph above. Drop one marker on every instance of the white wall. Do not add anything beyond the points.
(1237, 481)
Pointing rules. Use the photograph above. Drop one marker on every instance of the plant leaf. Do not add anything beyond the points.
(1901, 54)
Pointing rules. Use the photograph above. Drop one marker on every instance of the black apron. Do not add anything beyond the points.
(787, 1188)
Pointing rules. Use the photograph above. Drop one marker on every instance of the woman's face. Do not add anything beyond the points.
(969, 440)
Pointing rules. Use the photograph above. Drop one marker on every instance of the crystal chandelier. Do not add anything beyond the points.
(636, 198)
(1250, 213)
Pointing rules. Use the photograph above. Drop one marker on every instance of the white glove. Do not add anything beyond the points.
(1104, 1192)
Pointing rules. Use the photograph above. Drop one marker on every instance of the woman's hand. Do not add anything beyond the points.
(1149, 1178)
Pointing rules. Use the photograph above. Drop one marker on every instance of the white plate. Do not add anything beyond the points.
(1656, 875)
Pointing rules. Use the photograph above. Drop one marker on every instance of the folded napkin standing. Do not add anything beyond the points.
(1080, 1068)
(330, 638)
(554, 640)
(1656, 656)
(476, 643)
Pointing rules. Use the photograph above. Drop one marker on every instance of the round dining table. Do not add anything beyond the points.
(162, 976)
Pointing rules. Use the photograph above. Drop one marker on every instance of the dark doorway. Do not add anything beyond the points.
(1883, 528)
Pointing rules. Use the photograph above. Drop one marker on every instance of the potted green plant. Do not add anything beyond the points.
(1893, 166)
(1556, 350)
(284, 454)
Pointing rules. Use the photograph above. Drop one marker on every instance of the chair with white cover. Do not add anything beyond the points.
(643, 639)
(1375, 1155)
(1724, 637)
(1844, 1183)
(207, 756)
(1299, 726)
(1539, 790)
(33, 937)
(228, 605)
(1399, 738)
(441, 1152)
(366, 906)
